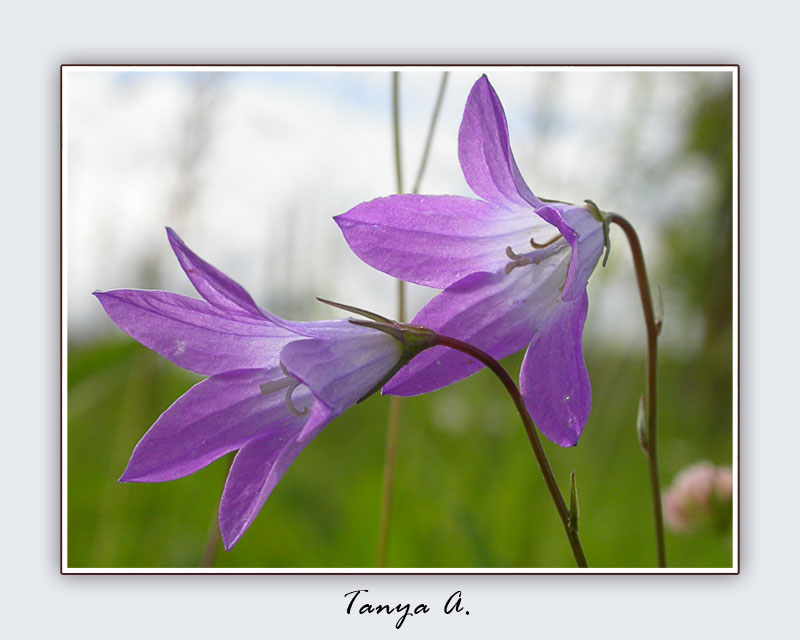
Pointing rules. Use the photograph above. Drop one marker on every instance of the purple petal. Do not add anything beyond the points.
(220, 290)
(436, 240)
(340, 372)
(256, 470)
(484, 150)
(218, 415)
(587, 247)
(553, 380)
(485, 153)
(232, 299)
(497, 312)
(192, 333)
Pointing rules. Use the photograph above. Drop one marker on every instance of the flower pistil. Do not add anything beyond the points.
(290, 383)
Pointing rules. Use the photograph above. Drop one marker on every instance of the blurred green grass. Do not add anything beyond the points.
(467, 490)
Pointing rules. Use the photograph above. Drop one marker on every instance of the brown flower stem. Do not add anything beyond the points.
(653, 325)
(530, 428)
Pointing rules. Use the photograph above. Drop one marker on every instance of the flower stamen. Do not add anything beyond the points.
(275, 385)
(536, 245)
(517, 260)
(534, 257)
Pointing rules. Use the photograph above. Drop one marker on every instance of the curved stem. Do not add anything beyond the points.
(533, 436)
(653, 329)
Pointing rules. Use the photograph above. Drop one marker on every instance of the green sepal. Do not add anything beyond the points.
(553, 201)
(601, 217)
(415, 339)
(356, 310)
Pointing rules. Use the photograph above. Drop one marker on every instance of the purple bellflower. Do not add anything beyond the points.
(513, 267)
(273, 385)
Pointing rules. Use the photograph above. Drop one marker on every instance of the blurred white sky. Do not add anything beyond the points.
(250, 166)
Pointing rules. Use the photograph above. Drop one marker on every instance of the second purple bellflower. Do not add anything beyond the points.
(513, 267)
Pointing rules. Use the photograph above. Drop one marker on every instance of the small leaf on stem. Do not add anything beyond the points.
(641, 425)
(659, 312)
(574, 510)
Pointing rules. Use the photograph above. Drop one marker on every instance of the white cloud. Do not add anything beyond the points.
(283, 152)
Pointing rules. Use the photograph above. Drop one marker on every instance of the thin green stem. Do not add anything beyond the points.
(398, 160)
(213, 539)
(570, 528)
(212, 545)
(388, 480)
(398, 167)
(392, 427)
(653, 326)
(429, 139)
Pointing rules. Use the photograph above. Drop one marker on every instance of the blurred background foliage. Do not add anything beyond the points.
(467, 490)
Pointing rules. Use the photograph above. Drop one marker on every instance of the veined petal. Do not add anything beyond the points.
(553, 380)
(485, 153)
(340, 372)
(218, 415)
(587, 247)
(192, 333)
(220, 290)
(232, 299)
(436, 240)
(496, 312)
(484, 150)
(256, 470)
